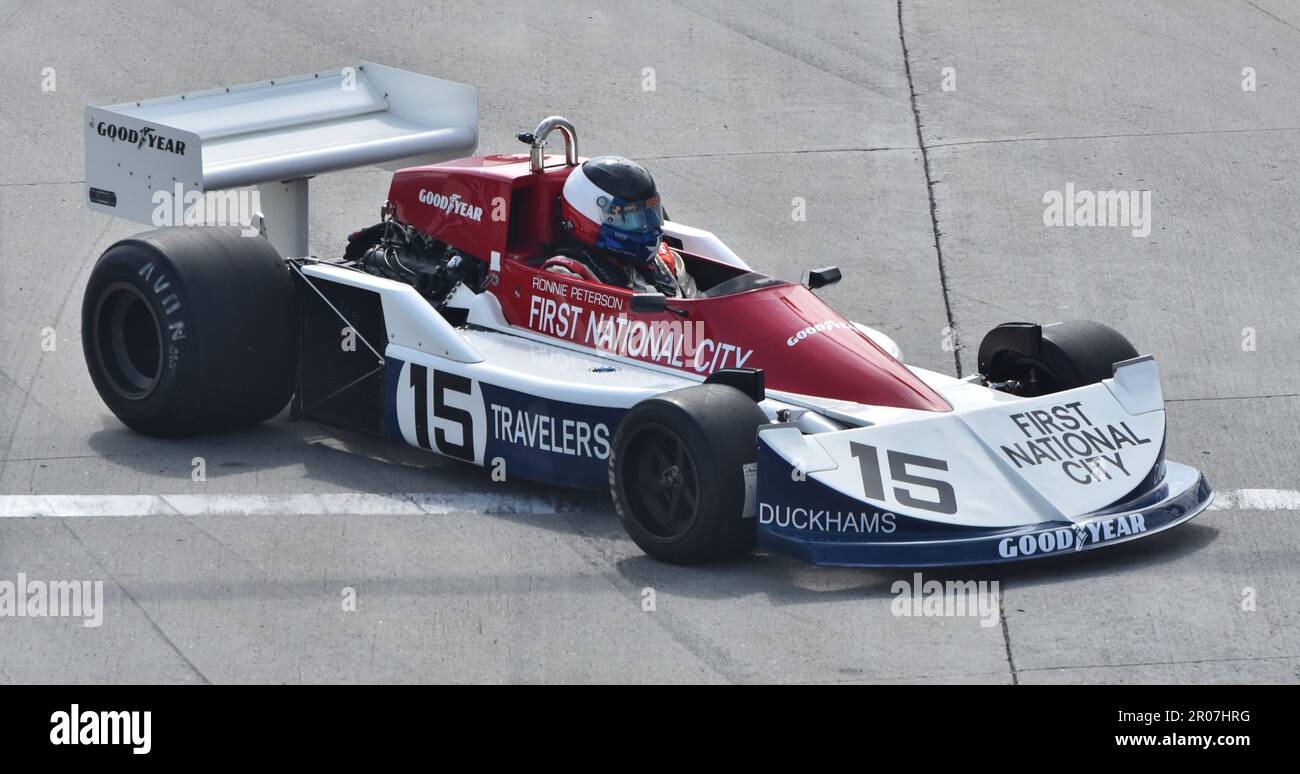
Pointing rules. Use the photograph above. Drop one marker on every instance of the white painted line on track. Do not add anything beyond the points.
(405, 504)
(1256, 500)
(340, 503)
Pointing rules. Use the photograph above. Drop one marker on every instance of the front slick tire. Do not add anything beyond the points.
(677, 473)
(190, 330)
(1071, 354)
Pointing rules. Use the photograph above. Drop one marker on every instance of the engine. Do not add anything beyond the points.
(399, 252)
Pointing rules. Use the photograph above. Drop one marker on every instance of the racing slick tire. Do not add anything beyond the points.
(1069, 354)
(677, 473)
(190, 330)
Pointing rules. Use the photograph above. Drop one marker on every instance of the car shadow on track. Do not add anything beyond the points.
(342, 460)
(788, 581)
(360, 463)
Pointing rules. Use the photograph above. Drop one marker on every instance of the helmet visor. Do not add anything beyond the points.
(631, 216)
(631, 229)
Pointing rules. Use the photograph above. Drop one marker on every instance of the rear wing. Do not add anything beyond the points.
(155, 161)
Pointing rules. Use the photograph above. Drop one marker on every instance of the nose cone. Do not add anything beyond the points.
(806, 347)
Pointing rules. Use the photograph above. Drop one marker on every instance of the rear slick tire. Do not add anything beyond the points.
(190, 330)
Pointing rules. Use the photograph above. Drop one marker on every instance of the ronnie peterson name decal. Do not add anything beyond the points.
(1065, 436)
(594, 319)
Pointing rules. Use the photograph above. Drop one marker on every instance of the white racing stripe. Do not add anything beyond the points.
(343, 503)
(407, 504)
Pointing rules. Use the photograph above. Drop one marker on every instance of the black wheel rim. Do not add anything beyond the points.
(661, 483)
(128, 341)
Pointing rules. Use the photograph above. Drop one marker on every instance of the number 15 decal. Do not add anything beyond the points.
(442, 382)
(874, 486)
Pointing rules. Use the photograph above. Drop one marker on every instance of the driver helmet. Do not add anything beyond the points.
(610, 205)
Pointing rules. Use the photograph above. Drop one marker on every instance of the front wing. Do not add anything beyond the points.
(997, 479)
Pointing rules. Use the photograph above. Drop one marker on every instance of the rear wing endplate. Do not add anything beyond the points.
(153, 160)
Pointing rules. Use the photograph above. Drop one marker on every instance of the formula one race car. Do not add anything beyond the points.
(750, 414)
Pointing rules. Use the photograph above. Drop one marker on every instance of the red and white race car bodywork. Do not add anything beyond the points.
(855, 459)
(867, 461)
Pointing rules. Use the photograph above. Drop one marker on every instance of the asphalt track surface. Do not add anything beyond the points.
(930, 200)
